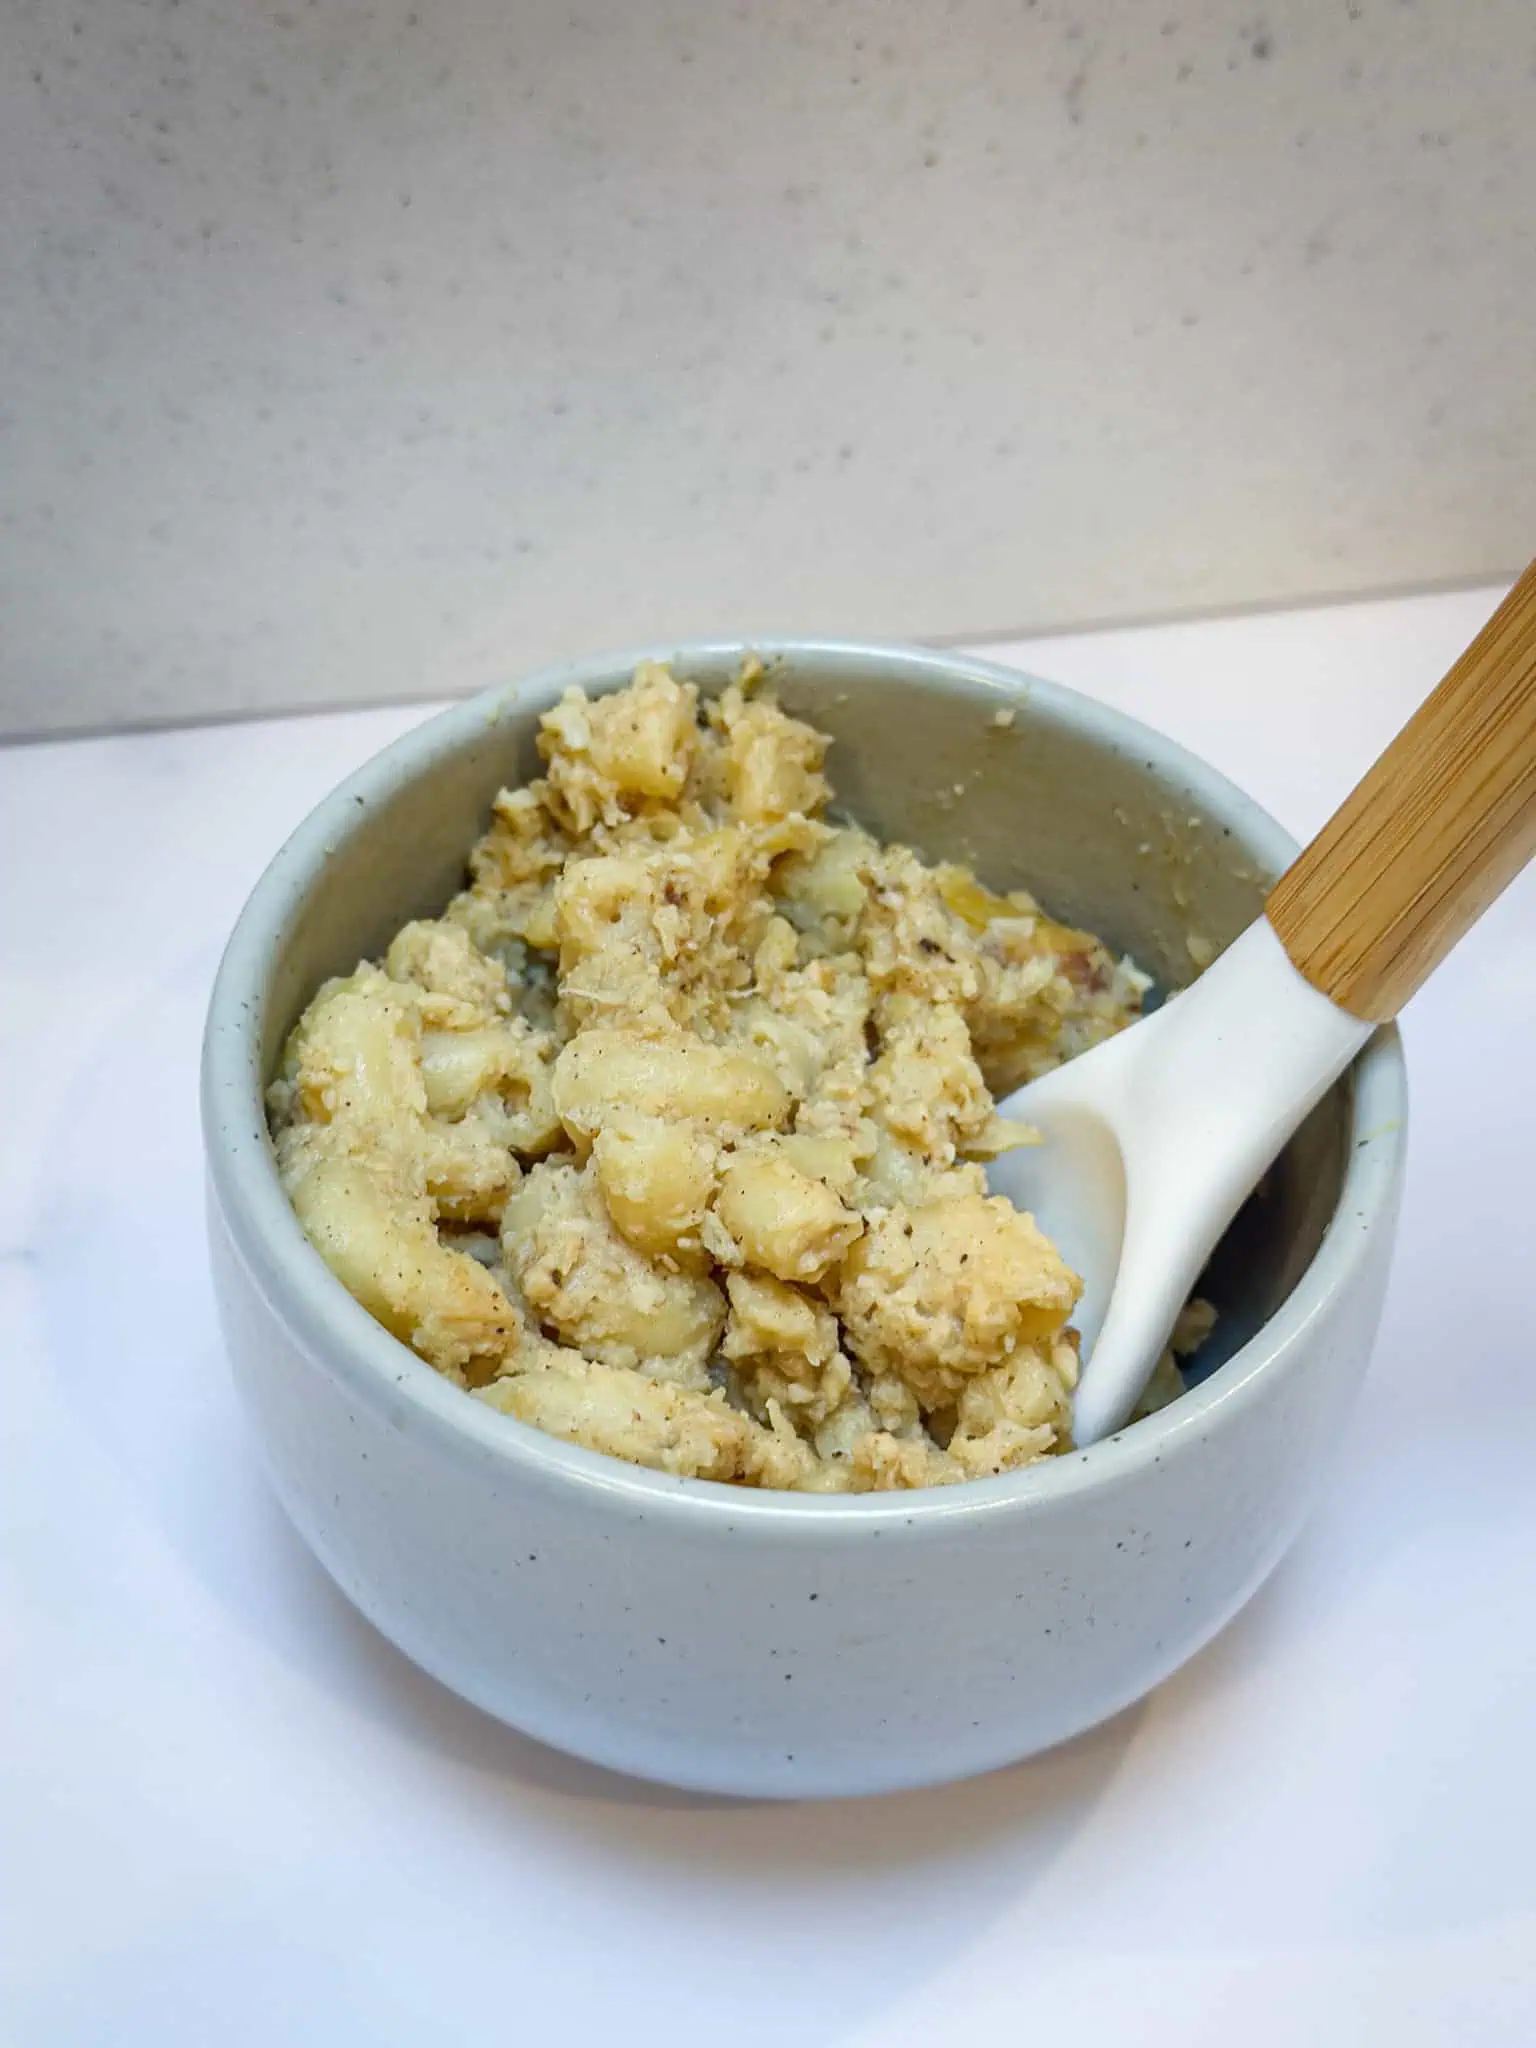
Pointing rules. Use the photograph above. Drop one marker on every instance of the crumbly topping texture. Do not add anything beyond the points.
(668, 1137)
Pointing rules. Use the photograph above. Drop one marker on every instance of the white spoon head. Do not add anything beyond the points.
(1074, 1186)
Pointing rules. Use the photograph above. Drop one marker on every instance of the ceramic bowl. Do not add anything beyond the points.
(784, 1644)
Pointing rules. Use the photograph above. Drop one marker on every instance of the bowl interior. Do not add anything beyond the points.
(1112, 826)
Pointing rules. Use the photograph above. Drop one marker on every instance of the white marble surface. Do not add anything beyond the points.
(233, 1815)
(364, 349)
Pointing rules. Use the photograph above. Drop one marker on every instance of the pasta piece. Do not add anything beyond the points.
(911, 942)
(926, 1086)
(460, 987)
(606, 758)
(692, 1434)
(670, 1428)
(783, 1346)
(823, 894)
(771, 763)
(602, 1074)
(943, 1291)
(595, 1291)
(506, 1071)
(1016, 1412)
(467, 1168)
(379, 1240)
(354, 1056)
(657, 1179)
(783, 1219)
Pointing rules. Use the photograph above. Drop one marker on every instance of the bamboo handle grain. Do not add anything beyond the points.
(1418, 851)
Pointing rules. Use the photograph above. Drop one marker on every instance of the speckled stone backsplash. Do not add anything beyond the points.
(358, 349)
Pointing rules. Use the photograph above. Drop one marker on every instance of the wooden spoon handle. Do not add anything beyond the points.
(1417, 852)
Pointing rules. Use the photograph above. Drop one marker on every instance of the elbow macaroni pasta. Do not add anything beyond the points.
(667, 1136)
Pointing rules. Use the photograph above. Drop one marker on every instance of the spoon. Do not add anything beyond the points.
(1155, 1138)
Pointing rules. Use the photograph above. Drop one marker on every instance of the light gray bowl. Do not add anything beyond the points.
(783, 1644)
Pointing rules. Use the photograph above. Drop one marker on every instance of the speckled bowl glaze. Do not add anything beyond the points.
(781, 1644)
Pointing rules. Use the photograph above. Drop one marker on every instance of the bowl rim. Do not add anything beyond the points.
(338, 1334)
